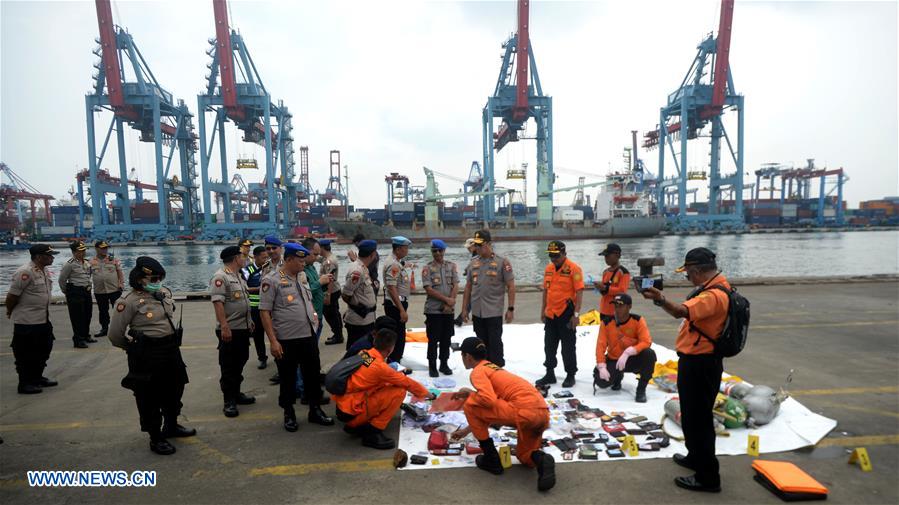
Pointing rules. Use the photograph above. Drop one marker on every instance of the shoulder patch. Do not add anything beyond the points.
(425, 271)
(25, 277)
(356, 276)
(120, 307)
(493, 366)
(577, 276)
(264, 287)
(507, 267)
(218, 283)
(367, 358)
(395, 269)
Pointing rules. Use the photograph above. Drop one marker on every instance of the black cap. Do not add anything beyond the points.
(474, 346)
(622, 299)
(77, 245)
(384, 322)
(611, 248)
(482, 236)
(555, 247)
(101, 244)
(42, 249)
(149, 266)
(229, 252)
(698, 256)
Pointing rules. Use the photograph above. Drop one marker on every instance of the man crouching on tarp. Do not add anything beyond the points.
(506, 399)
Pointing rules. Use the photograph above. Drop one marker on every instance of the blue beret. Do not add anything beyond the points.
(367, 245)
(294, 249)
(438, 244)
(325, 241)
(400, 240)
(273, 240)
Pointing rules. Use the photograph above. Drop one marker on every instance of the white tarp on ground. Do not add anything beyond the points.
(794, 427)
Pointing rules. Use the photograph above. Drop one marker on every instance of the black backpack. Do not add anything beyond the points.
(339, 374)
(736, 327)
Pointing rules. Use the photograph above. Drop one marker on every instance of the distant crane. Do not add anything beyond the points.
(247, 104)
(693, 106)
(518, 97)
(15, 191)
(146, 107)
(335, 190)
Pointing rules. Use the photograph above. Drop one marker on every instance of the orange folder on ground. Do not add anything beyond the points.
(788, 481)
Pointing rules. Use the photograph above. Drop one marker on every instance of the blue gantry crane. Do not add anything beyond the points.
(248, 104)
(125, 86)
(697, 103)
(518, 97)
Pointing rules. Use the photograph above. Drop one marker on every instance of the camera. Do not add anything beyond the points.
(646, 279)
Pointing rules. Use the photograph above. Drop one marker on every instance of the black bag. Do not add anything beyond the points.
(736, 327)
(339, 374)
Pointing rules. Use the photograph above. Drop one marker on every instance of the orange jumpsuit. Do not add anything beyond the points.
(375, 392)
(619, 279)
(504, 398)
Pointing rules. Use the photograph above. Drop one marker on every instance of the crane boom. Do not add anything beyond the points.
(522, 60)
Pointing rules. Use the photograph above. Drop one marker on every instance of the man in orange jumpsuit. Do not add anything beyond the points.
(623, 346)
(615, 280)
(506, 399)
(374, 394)
(563, 290)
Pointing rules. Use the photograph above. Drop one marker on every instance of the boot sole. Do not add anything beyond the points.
(547, 479)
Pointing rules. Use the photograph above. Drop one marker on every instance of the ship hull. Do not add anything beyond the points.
(612, 228)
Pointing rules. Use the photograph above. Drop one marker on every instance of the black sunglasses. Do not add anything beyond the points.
(271, 248)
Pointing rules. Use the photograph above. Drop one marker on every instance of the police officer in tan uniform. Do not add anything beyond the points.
(285, 306)
(359, 294)
(489, 277)
(28, 306)
(396, 293)
(234, 325)
(143, 325)
(75, 283)
(332, 296)
(109, 280)
(275, 248)
(246, 245)
(440, 279)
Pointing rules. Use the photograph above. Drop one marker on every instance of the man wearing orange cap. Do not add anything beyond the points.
(505, 399)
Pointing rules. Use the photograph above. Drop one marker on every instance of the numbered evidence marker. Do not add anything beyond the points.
(631, 445)
(860, 456)
(505, 456)
(752, 447)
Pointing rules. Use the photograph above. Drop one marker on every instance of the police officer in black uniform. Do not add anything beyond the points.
(156, 372)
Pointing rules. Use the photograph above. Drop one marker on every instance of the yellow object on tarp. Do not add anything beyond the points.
(416, 336)
(590, 318)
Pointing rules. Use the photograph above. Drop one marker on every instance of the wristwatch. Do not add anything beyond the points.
(659, 303)
(510, 308)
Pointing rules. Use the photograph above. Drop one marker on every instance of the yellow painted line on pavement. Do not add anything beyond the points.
(861, 441)
(337, 466)
(867, 410)
(207, 450)
(844, 391)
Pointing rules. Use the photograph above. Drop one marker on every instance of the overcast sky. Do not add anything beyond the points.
(400, 85)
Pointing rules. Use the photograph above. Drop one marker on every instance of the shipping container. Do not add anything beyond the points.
(567, 215)
(403, 207)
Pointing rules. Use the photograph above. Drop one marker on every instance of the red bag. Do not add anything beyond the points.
(438, 441)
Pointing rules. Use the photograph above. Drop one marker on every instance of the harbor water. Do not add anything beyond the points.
(818, 254)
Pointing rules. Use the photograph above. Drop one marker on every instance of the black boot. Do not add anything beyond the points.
(318, 416)
(80, 344)
(375, 438)
(334, 340)
(47, 383)
(432, 368)
(244, 399)
(549, 378)
(263, 363)
(290, 420)
(489, 461)
(546, 470)
(29, 389)
(444, 368)
(230, 409)
(616, 381)
(172, 429)
(569, 381)
(102, 333)
(640, 397)
(160, 445)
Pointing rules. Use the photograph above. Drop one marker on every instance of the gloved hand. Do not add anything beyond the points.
(622, 361)
(603, 371)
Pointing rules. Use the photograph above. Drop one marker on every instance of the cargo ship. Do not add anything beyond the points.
(621, 210)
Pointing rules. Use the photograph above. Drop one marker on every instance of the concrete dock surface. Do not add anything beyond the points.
(840, 339)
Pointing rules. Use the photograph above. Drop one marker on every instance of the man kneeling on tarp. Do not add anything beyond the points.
(505, 399)
(374, 394)
(623, 346)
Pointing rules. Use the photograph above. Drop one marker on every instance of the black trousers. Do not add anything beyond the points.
(643, 363)
(258, 334)
(490, 331)
(80, 305)
(332, 315)
(233, 356)
(698, 380)
(393, 312)
(302, 352)
(440, 330)
(104, 301)
(31, 346)
(355, 332)
(156, 375)
(557, 330)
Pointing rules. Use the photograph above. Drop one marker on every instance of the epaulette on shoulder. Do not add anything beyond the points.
(636, 317)
(493, 366)
(625, 270)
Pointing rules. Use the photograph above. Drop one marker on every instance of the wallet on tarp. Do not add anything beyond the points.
(788, 481)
